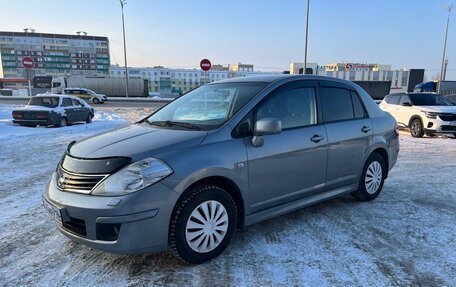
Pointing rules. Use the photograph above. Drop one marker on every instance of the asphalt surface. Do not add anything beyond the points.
(114, 103)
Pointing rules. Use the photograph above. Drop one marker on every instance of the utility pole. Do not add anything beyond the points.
(307, 34)
(445, 69)
(122, 3)
(442, 77)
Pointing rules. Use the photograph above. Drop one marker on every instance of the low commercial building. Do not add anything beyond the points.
(400, 79)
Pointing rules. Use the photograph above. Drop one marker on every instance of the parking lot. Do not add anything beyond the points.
(404, 237)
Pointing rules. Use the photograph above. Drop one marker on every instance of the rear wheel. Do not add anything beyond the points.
(372, 178)
(203, 224)
(416, 128)
(96, 101)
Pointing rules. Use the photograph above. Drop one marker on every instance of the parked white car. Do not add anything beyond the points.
(423, 113)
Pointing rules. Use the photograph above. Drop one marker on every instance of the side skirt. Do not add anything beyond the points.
(292, 206)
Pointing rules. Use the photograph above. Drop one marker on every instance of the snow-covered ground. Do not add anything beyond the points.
(405, 237)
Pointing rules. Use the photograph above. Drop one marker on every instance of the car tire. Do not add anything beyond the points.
(89, 118)
(416, 128)
(372, 178)
(63, 122)
(96, 101)
(203, 224)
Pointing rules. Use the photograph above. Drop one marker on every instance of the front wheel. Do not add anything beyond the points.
(203, 224)
(63, 122)
(89, 118)
(416, 128)
(96, 101)
(372, 178)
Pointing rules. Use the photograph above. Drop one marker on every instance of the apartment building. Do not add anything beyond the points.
(54, 54)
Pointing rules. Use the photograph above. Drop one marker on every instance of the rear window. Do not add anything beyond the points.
(394, 100)
(49, 102)
(336, 104)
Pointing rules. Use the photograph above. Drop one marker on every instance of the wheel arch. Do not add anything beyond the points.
(414, 117)
(229, 186)
(384, 154)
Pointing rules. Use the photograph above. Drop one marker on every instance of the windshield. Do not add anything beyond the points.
(206, 107)
(429, 100)
(49, 102)
(90, 92)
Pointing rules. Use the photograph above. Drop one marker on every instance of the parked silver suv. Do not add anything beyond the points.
(223, 156)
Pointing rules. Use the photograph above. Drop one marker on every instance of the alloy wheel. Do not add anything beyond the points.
(373, 178)
(206, 226)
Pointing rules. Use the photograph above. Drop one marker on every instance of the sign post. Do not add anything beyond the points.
(205, 65)
(28, 64)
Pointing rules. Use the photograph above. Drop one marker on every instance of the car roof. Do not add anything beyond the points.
(55, 96)
(275, 78)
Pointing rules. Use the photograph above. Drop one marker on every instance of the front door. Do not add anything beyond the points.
(292, 164)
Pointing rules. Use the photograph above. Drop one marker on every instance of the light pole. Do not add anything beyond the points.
(122, 3)
(442, 77)
(307, 33)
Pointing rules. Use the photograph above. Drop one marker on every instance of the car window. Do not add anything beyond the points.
(394, 100)
(295, 108)
(358, 108)
(75, 102)
(82, 92)
(66, 102)
(452, 99)
(336, 104)
(405, 99)
(49, 102)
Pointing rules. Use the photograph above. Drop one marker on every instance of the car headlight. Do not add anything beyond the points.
(134, 177)
(430, 115)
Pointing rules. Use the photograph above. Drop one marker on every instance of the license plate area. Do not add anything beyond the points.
(53, 211)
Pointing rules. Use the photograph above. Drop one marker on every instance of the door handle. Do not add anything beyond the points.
(317, 138)
(365, 129)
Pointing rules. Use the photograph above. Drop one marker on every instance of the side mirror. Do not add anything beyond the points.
(406, 104)
(266, 126)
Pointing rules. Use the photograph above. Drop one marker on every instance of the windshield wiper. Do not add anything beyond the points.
(173, 123)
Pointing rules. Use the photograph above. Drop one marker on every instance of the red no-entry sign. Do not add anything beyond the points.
(205, 65)
(28, 63)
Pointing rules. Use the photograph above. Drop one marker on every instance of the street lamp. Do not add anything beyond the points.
(442, 77)
(307, 33)
(122, 3)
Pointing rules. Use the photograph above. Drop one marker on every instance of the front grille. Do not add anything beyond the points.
(448, 128)
(81, 183)
(448, 117)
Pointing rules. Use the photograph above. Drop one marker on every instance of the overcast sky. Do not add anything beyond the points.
(266, 33)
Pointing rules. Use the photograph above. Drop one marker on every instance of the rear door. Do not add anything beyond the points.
(292, 164)
(70, 112)
(349, 131)
(79, 110)
(405, 112)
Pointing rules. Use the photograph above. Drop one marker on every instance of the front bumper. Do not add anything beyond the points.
(134, 223)
(439, 126)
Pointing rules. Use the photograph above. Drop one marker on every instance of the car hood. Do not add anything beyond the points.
(438, 109)
(136, 141)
